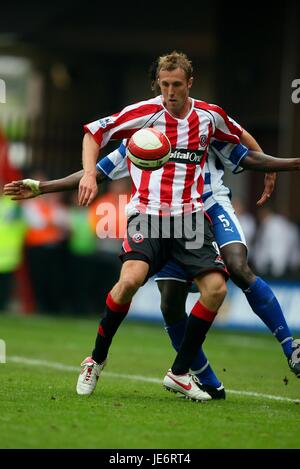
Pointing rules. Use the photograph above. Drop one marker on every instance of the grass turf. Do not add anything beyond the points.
(40, 409)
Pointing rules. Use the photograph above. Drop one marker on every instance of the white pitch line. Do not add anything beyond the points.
(62, 367)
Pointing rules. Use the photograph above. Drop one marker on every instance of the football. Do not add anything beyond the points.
(149, 149)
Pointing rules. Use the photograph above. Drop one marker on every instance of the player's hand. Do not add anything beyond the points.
(88, 189)
(23, 189)
(270, 179)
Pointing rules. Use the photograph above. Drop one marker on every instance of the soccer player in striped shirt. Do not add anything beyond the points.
(172, 279)
(173, 282)
(191, 125)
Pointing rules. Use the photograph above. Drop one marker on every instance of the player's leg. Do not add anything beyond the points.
(212, 287)
(205, 265)
(174, 293)
(137, 266)
(133, 274)
(261, 298)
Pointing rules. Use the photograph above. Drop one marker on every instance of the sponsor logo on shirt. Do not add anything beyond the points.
(182, 155)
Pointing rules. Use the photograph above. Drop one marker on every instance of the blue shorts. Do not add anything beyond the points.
(227, 230)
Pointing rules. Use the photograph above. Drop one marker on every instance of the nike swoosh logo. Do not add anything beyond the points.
(187, 387)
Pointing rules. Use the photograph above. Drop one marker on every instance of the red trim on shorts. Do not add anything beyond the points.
(222, 270)
(202, 312)
(115, 307)
(126, 245)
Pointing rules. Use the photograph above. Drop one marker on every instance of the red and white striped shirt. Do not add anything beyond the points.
(177, 186)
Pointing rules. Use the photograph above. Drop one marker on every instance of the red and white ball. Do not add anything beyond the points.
(149, 149)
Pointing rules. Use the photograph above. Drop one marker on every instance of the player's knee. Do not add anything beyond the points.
(215, 290)
(172, 311)
(130, 284)
(240, 271)
(165, 307)
(173, 298)
(219, 291)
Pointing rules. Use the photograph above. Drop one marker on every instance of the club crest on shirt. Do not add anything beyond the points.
(137, 238)
(203, 140)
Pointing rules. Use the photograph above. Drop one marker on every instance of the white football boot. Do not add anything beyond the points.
(89, 375)
(185, 384)
(294, 359)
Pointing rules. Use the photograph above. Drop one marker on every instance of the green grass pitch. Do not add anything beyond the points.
(130, 408)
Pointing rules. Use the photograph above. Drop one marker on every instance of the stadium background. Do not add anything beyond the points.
(66, 65)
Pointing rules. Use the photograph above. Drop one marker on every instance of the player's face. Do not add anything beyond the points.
(175, 89)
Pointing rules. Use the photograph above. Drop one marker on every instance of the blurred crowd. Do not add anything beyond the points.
(57, 257)
(273, 240)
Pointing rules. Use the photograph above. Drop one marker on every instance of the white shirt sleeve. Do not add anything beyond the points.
(231, 155)
(114, 165)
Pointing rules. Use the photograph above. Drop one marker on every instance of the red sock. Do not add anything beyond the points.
(202, 312)
(114, 315)
(198, 325)
(115, 307)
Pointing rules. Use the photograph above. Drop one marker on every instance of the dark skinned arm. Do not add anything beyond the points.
(68, 183)
(258, 161)
(28, 188)
(270, 178)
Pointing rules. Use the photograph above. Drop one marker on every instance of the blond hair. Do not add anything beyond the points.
(175, 60)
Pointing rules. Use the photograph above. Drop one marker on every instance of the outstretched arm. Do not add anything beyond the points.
(259, 161)
(270, 178)
(29, 188)
(112, 166)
